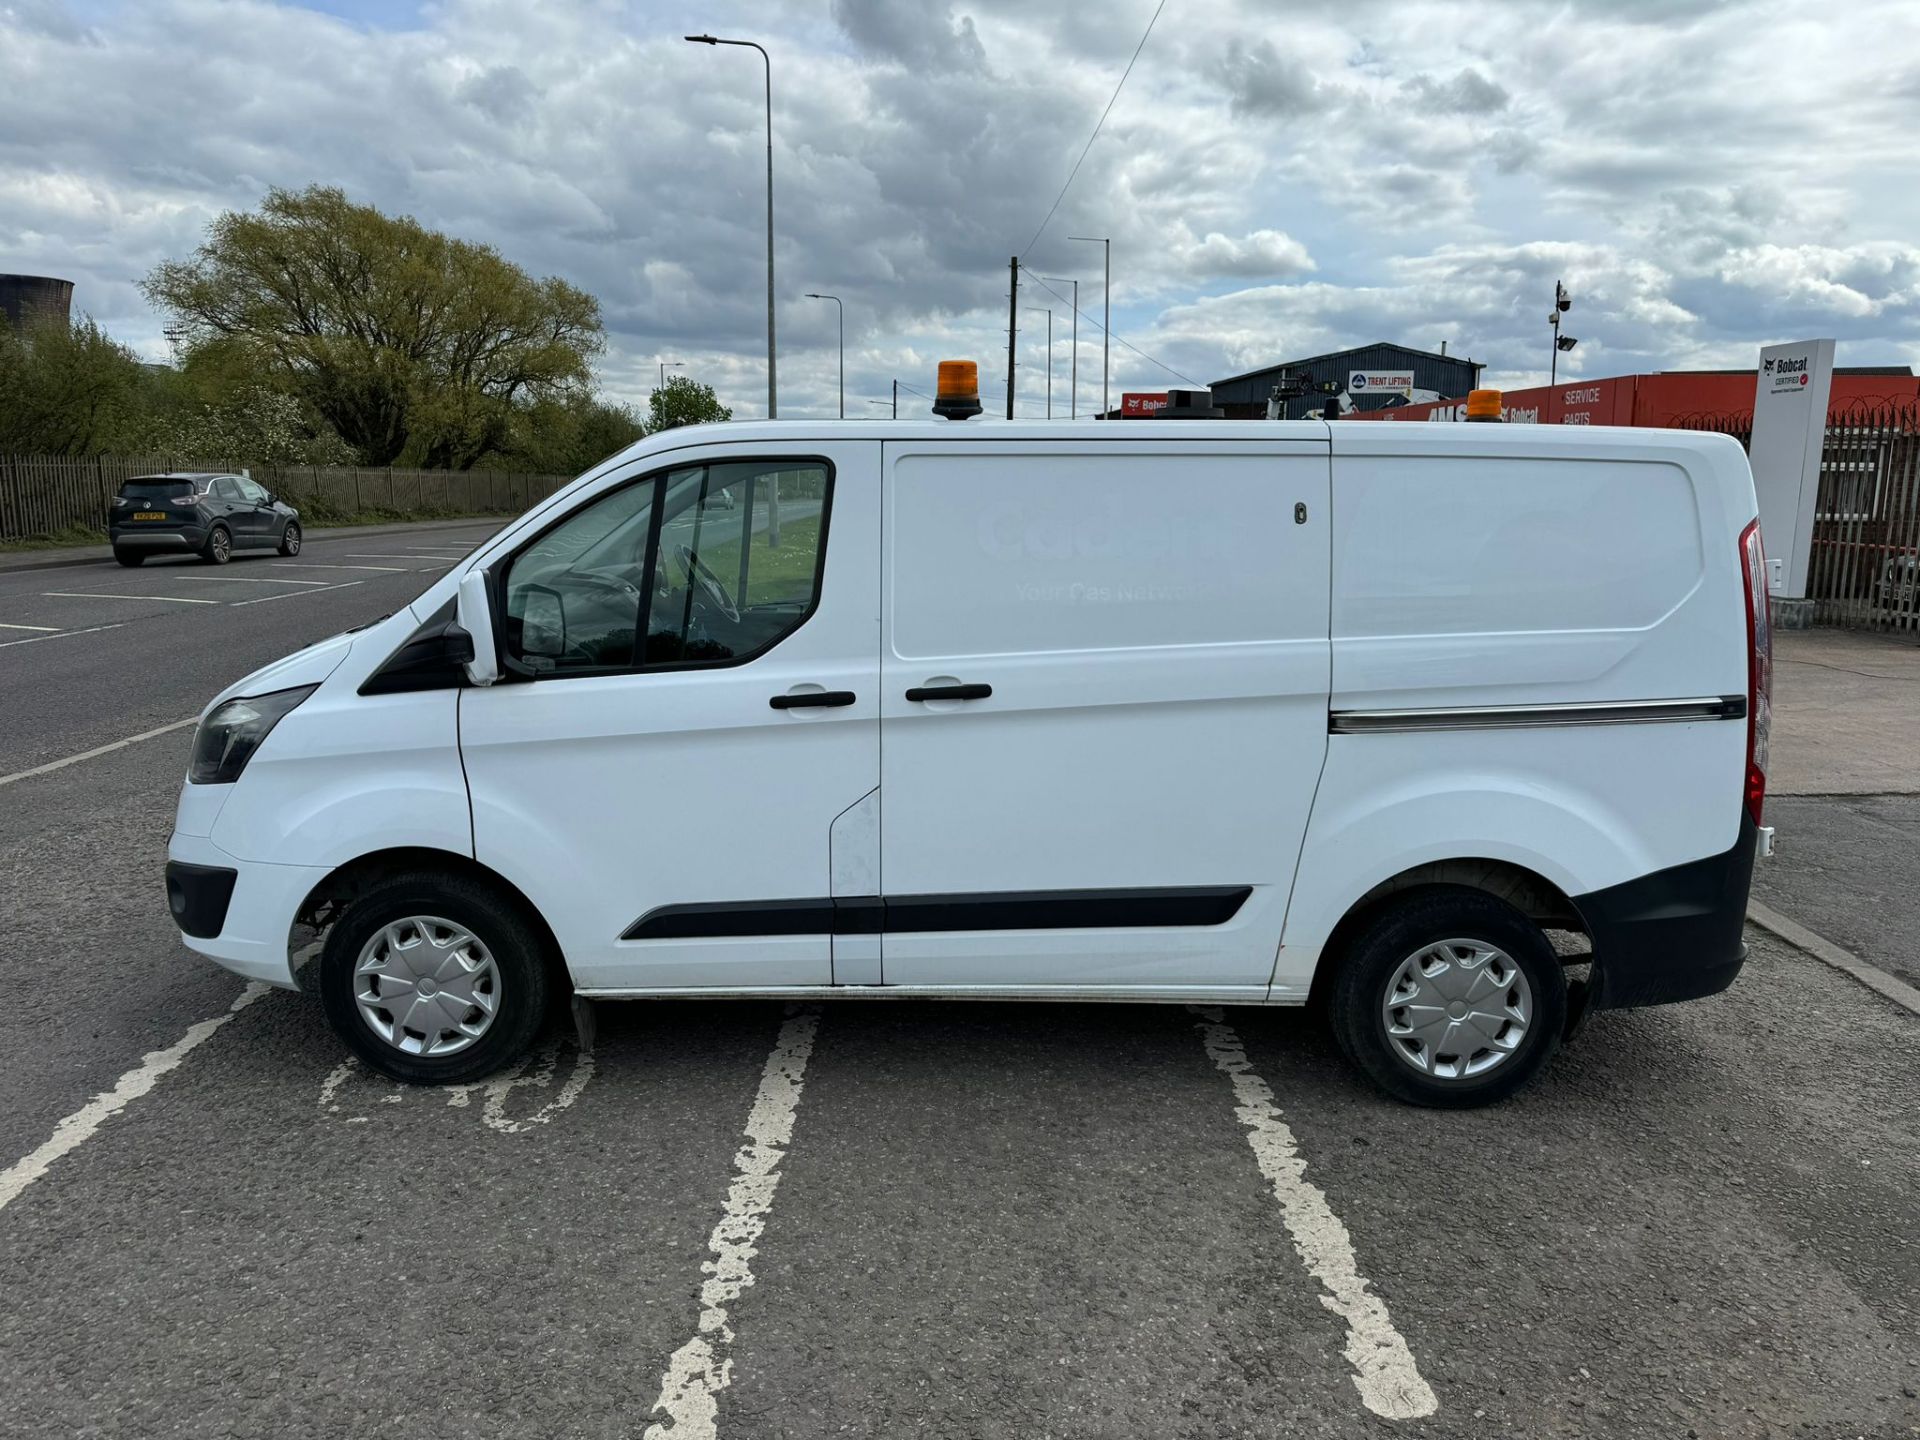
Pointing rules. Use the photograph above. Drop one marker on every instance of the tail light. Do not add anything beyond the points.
(1753, 564)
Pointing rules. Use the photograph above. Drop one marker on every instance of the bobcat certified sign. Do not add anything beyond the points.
(1379, 382)
(1789, 427)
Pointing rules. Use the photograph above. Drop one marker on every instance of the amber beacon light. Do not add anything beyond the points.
(1484, 405)
(957, 392)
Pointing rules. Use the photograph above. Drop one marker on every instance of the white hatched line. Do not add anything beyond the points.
(294, 594)
(116, 595)
(64, 634)
(702, 1368)
(312, 565)
(52, 765)
(250, 580)
(74, 1131)
(1383, 1367)
(50, 629)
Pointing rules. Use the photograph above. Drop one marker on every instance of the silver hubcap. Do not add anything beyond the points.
(426, 986)
(293, 539)
(221, 544)
(1457, 1009)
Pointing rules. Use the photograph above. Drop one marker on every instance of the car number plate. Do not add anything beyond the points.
(149, 514)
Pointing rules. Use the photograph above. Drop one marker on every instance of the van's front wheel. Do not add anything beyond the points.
(1450, 998)
(434, 979)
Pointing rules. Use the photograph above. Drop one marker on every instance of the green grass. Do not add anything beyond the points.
(776, 573)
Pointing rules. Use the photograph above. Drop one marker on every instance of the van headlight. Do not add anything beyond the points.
(228, 737)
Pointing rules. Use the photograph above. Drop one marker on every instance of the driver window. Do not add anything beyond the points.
(711, 563)
(739, 561)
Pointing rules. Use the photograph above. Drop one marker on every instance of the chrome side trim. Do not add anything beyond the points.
(1511, 717)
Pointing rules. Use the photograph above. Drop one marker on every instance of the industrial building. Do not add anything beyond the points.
(1367, 377)
(35, 297)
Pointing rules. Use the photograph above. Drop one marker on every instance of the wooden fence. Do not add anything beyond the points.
(1865, 568)
(48, 494)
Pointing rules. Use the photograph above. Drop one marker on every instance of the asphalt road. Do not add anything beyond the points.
(899, 1218)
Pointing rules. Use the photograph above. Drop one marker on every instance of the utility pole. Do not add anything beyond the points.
(1038, 310)
(1106, 314)
(842, 311)
(1013, 326)
(896, 399)
(1073, 362)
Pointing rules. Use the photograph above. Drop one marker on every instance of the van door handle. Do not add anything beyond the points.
(810, 698)
(950, 692)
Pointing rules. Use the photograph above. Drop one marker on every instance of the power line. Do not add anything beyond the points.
(1096, 129)
(1117, 337)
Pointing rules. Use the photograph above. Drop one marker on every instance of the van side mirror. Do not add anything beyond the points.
(474, 614)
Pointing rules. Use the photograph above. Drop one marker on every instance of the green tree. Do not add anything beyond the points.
(412, 346)
(566, 435)
(682, 401)
(64, 389)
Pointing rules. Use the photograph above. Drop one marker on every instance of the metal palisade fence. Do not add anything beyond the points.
(50, 494)
(1865, 568)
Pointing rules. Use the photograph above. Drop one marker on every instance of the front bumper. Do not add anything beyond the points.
(158, 537)
(1675, 934)
(254, 930)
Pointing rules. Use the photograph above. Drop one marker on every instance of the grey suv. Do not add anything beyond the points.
(208, 514)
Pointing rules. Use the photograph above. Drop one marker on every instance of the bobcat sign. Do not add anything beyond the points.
(1789, 427)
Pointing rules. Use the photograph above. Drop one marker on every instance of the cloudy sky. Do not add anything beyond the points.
(1278, 180)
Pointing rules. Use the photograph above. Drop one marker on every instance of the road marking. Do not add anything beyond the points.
(115, 595)
(295, 594)
(50, 629)
(311, 565)
(250, 580)
(462, 549)
(495, 1110)
(1383, 1368)
(53, 765)
(356, 555)
(701, 1368)
(1845, 961)
(74, 1131)
(36, 639)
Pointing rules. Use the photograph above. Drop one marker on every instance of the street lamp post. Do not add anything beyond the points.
(676, 364)
(1106, 313)
(773, 388)
(1073, 362)
(1043, 310)
(811, 295)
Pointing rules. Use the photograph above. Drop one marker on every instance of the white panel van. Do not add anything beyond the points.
(1260, 713)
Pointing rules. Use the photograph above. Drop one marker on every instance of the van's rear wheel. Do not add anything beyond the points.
(434, 979)
(1450, 998)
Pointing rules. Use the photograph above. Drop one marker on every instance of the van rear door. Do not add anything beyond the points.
(1104, 676)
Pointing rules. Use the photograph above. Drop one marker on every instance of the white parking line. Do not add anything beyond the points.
(701, 1368)
(50, 629)
(52, 765)
(310, 565)
(63, 635)
(1383, 1368)
(74, 1131)
(115, 595)
(356, 555)
(251, 580)
(462, 549)
(294, 594)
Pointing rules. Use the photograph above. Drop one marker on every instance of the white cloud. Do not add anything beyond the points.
(1705, 176)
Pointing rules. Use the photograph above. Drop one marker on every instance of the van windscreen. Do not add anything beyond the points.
(155, 489)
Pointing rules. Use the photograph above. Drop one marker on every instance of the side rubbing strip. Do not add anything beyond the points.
(1009, 910)
(1515, 717)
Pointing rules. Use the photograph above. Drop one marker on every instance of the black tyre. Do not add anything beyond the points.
(290, 538)
(129, 557)
(219, 546)
(1450, 998)
(435, 979)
